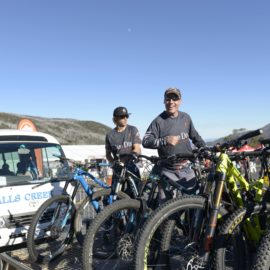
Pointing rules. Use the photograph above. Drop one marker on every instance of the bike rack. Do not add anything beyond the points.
(8, 263)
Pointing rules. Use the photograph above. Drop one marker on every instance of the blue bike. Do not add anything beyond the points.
(53, 225)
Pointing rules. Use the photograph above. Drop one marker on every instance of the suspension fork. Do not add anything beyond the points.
(199, 216)
(71, 197)
(116, 186)
(212, 223)
(151, 196)
(68, 213)
(133, 186)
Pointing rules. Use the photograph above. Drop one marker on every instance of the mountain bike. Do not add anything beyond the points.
(189, 223)
(109, 241)
(262, 259)
(240, 235)
(53, 225)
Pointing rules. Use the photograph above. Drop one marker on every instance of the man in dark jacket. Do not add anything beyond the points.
(170, 133)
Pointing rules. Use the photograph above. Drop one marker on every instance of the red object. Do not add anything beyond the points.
(247, 148)
(244, 148)
(26, 124)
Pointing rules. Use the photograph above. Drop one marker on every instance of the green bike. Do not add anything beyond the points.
(189, 223)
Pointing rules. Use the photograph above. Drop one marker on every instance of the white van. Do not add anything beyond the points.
(30, 173)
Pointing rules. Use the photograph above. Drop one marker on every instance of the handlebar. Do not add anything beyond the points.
(237, 142)
(250, 134)
(198, 153)
(203, 152)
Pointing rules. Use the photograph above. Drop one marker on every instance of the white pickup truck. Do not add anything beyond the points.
(30, 173)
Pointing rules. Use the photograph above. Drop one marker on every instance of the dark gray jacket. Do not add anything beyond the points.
(180, 126)
(122, 142)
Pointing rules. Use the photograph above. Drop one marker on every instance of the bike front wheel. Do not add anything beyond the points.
(238, 238)
(88, 210)
(51, 229)
(262, 260)
(109, 240)
(170, 238)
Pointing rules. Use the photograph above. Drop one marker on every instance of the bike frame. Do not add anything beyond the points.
(228, 173)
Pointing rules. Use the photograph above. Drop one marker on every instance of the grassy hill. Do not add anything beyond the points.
(70, 131)
(66, 131)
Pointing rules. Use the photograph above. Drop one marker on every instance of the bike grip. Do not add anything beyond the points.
(265, 141)
(250, 134)
(266, 150)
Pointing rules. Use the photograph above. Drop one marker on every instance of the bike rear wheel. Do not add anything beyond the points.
(51, 229)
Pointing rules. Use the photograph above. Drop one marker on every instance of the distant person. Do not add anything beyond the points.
(123, 138)
(21, 168)
(170, 133)
(27, 167)
(5, 170)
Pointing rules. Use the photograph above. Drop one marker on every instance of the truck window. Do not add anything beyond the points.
(22, 163)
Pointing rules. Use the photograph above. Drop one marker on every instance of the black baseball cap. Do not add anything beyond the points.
(121, 111)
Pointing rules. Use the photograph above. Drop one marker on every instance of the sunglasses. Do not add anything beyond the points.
(172, 98)
(122, 116)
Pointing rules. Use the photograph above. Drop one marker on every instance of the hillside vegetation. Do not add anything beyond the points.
(66, 131)
(70, 131)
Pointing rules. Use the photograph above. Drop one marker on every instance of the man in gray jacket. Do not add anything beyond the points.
(123, 139)
(170, 133)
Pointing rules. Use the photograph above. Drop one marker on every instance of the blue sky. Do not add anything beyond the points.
(81, 59)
